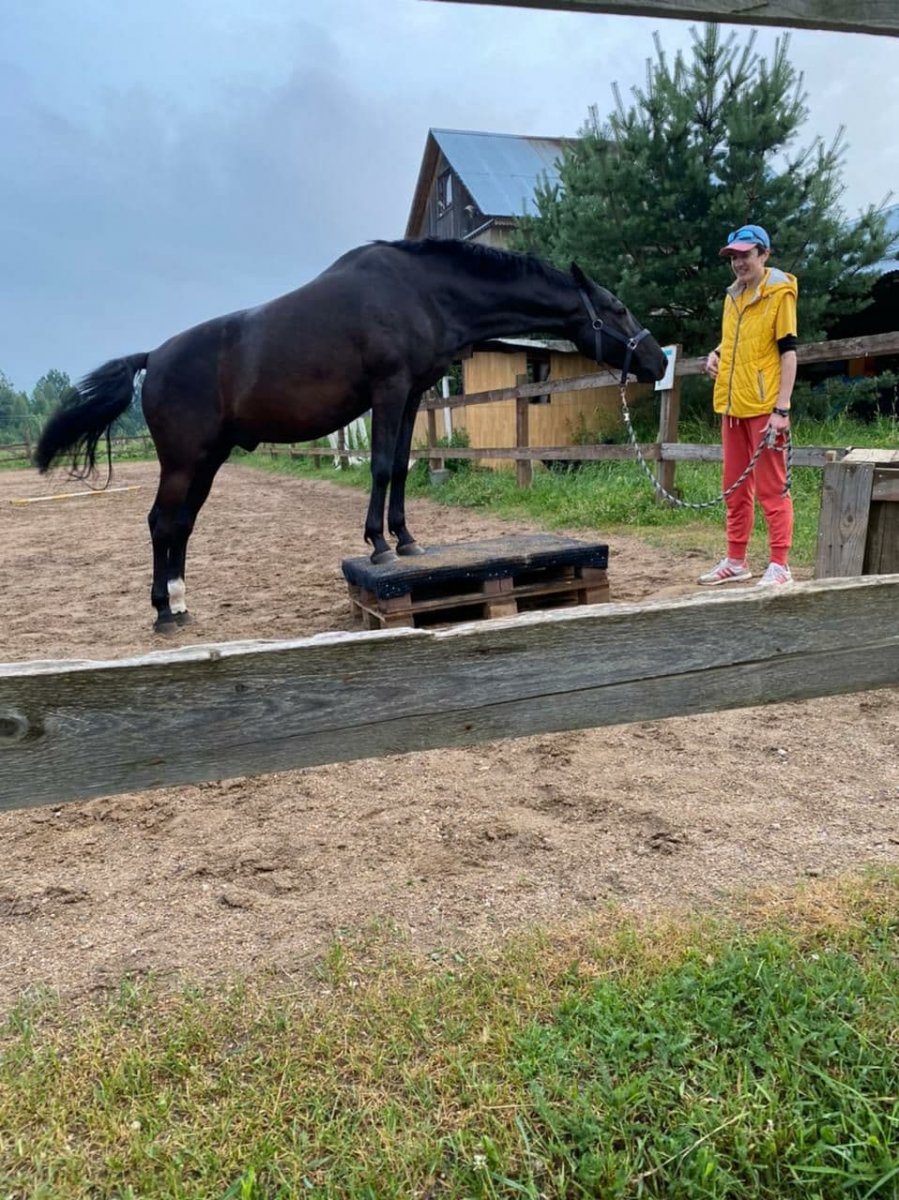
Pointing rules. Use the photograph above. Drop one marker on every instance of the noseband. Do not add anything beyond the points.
(600, 328)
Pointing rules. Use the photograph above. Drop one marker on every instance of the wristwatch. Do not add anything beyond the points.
(782, 412)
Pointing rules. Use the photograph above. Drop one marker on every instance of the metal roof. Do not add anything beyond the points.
(501, 170)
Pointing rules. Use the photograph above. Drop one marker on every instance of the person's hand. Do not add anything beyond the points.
(778, 425)
(712, 363)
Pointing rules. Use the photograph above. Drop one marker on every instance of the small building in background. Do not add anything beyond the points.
(475, 186)
(584, 417)
(587, 416)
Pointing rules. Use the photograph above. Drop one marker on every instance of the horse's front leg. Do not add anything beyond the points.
(396, 512)
(387, 405)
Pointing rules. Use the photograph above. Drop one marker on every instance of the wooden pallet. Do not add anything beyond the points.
(477, 580)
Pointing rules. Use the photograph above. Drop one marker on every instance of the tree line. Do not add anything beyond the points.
(23, 415)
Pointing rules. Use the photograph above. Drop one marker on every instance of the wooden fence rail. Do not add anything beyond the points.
(875, 346)
(15, 452)
(803, 456)
(864, 16)
(72, 730)
(666, 451)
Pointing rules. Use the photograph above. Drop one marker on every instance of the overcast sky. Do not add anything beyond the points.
(164, 161)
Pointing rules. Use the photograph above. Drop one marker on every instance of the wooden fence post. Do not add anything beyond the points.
(342, 458)
(859, 521)
(435, 462)
(669, 418)
(523, 466)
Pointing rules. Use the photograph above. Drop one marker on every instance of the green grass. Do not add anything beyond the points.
(756, 1055)
(615, 498)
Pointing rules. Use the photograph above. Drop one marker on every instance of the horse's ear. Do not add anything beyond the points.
(579, 277)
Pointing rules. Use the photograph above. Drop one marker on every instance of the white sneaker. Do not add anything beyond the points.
(775, 575)
(727, 571)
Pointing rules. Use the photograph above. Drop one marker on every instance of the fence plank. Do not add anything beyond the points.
(669, 419)
(600, 453)
(803, 456)
(524, 468)
(863, 16)
(75, 730)
(874, 345)
(843, 526)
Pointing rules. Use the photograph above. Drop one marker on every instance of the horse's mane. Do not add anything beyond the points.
(501, 264)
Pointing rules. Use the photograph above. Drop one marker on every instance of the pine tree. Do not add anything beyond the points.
(646, 199)
(49, 391)
(14, 415)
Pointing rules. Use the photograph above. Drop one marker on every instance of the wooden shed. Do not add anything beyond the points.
(587, 416)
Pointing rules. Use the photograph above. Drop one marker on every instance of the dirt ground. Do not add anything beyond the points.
(451, 849)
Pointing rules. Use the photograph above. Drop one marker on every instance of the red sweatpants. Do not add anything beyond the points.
(740, 437)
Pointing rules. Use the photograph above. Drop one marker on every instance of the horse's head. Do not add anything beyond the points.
(606, 330)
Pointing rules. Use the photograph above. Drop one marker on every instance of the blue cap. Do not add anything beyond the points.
(745, 238)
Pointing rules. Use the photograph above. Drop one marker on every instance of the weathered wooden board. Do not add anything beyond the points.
(882, 546)
(861, 16)
(843, 524)
(886, 487)
(881, 457)
(80, 729)
(803, 456)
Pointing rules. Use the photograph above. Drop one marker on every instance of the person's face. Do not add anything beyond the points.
(749, 265)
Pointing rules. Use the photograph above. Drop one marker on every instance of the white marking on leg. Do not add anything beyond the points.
(177, 596)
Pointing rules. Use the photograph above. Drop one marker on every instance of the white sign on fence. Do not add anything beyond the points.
(666, 383)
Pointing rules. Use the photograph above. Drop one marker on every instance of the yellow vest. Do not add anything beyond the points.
(749, 371)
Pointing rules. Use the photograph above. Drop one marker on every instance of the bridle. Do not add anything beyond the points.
(600, 328)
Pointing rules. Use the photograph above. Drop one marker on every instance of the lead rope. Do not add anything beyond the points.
(767, 441)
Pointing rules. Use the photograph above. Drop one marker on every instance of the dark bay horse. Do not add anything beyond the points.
(373, 331)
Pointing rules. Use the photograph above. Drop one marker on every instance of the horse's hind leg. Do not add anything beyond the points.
(180, 497)
(396, 511)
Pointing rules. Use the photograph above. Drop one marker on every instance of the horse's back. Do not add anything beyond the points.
(299, 365)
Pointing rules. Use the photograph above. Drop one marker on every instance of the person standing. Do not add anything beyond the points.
(754, 369)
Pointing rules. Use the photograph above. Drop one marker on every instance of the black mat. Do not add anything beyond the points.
(495, 558)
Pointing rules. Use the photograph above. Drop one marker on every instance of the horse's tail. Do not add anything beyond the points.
(86, 413)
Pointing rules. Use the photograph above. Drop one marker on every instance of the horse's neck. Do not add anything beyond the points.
(525, 305)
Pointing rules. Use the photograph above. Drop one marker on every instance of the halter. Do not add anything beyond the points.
(599, 327)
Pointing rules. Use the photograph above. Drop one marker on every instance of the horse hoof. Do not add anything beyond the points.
(183, 619)
(166, 626)
(408, 549)
(383, 556)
